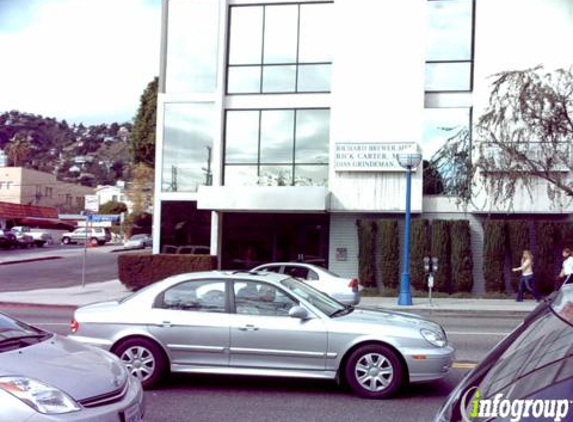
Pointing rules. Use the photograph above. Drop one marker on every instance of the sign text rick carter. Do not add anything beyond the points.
(369, 156)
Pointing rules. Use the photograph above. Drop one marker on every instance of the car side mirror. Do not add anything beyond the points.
(298, 312)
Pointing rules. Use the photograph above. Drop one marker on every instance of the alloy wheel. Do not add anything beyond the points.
(374, 372)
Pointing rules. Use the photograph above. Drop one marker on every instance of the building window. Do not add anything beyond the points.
(282, 48)
(187, 145)
(446, 150)
(286, 147)
(449, 45)
(193, 34)
(48, 192)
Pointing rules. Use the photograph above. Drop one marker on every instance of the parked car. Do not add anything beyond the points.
(345, 290)
(139, 241)
(96, 236)
(532, 364)
(247, 323)
(7, 239)
(23, 240)
(39, 237)
(187, 249)
(47, 377)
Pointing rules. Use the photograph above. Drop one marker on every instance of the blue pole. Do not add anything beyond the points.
(405, 297)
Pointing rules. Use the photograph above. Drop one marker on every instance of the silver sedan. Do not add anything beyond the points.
(45, 377)
(268, 324)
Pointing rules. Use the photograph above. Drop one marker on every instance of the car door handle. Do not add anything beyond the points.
(249, 327)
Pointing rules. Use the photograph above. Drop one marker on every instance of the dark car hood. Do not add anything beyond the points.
(79, 370)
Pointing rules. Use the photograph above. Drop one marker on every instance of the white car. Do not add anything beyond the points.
(345, 290)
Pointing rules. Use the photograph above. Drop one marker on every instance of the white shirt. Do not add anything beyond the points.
(568, 266)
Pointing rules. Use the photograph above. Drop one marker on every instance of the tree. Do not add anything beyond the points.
(140, 190)
(524, 136)
(19, 148)
(112, 207)
(142, 139)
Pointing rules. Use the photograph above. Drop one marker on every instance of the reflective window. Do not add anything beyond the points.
(449, 45)
(280, 48)
(252, 298)
(197, 295)
(282, 147)
(192, 40)
(184, 227)
(444, 162)
(187, 145)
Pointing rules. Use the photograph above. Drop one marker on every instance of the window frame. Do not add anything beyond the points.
(258, 164)
(159, 301)
(471, 60)
(233, 307)
(261, 66)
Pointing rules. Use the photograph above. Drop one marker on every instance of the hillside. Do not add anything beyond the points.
(90, 155)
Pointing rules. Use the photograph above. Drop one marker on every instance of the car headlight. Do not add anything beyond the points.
(40, 396)
(433, 337)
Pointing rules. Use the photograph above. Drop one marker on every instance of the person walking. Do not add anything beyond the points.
(526, 280)
(565, 276)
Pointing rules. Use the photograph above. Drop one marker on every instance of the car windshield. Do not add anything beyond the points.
(16, 334)
(319, 300)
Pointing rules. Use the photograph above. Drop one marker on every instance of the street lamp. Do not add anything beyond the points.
(409, 161)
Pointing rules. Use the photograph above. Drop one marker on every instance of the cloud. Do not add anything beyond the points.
(80, 60)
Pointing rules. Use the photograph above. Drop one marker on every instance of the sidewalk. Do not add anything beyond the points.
(113, 289)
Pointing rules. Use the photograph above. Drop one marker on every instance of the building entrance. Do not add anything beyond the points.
(251, 239)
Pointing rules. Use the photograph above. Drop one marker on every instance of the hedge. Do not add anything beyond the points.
(390, 251)
(139, 270)
(494, 246)
(545, 266)
(462, 262)
(441, 249)
(366, 252)
(518, 241)
(419, 248)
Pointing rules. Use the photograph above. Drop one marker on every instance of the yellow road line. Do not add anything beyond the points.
(463, 365)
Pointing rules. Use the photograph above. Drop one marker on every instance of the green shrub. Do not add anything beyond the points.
(545, 266)
(462, 262)
(441, 249)
(494, 243)
(390, 251)
(419, 248)
(518, 241)
(367, 252)
(139, 270)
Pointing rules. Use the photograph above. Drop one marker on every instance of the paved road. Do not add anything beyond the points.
(63, 271)
(243, 399)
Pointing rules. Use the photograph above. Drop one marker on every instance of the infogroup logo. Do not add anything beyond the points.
(498, 407)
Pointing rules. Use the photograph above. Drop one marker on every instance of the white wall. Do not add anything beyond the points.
(377, 95)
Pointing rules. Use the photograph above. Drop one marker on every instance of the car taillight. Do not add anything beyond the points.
(354, 283)
(74, 326)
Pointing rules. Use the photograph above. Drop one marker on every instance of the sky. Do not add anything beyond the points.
(83, 61)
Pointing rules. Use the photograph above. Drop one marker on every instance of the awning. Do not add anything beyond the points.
(263, 198)
(46, 223)
(11, 211)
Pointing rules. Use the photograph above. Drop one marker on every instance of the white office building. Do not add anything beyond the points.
(279, 121)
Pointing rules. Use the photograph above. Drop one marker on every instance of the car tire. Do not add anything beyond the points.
(94, 241)
(144, 360)
(66, 240)
(101, 242)
(374, 371)
(40, 243)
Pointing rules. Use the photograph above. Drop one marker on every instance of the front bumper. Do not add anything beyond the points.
(429, 364)
(133, 399)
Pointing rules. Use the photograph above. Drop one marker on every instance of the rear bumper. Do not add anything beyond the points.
(352, 298)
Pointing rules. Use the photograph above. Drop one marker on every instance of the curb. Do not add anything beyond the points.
(20, 261)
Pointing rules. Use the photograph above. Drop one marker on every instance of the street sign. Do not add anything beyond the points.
(103, 218)
(92, 203)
